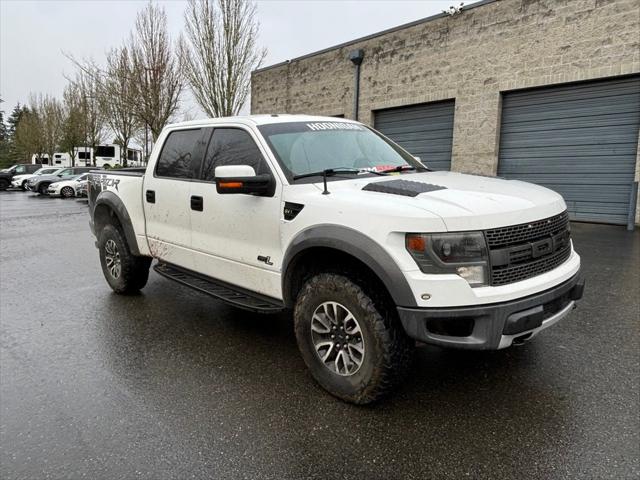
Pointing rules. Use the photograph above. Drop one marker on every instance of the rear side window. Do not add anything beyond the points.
(179, 155)
(232, 146)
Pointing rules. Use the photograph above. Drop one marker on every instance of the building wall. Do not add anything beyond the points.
(473, 56)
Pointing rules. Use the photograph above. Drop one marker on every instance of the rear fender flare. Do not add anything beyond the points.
(116, 205)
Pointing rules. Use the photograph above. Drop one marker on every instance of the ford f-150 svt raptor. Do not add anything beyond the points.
(369, 248)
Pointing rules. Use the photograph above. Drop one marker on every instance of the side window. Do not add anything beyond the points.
(21, 169)
(66, 172)
(178, 157)
(232, 146)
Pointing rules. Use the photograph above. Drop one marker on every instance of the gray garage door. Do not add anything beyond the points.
(580, 140)
(425, 130)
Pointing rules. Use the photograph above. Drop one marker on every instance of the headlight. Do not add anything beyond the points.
(464, 254)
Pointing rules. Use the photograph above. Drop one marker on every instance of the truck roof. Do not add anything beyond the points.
(260, 120)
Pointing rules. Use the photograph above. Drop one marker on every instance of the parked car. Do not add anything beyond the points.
(7, 174)
(369, 248)
(40, 184)
(20, 181)
(67, 188)
(83, 188)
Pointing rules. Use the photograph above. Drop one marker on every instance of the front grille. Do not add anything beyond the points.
(523, 251)
(515, 273)
(527, 232)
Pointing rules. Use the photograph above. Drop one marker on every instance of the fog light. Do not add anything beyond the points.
(474, 274)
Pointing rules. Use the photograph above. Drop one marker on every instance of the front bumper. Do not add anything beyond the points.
(495, 326)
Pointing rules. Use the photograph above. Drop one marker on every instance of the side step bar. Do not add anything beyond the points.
(231, 294)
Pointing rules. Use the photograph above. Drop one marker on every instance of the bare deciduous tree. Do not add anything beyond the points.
(88, 86)
(219, 52)
(117, 98)
(73, 121)
(51, 120)
(157, 77)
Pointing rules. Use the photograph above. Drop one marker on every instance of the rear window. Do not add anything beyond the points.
(179, 157)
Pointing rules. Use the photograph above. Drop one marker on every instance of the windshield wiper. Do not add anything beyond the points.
(327, 172)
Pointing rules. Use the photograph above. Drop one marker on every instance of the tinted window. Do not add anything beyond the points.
(103, 151)
(179, 154)
(232, 146)
(84, 155)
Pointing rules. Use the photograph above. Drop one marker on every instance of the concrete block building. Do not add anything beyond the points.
(546, 91)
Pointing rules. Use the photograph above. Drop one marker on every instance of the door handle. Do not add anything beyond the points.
(151, 196)
(196, 203)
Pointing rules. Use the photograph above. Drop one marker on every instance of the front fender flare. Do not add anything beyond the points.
(356, 244)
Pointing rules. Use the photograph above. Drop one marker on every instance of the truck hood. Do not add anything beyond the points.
(463, 202)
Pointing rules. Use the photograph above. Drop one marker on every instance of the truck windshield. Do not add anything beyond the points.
(305, 147)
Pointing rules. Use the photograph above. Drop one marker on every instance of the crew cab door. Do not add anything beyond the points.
(166, 195)
(236, 237)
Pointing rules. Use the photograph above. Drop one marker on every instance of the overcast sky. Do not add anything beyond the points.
(33, 35)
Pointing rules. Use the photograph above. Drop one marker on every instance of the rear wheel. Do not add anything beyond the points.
(24, 186)
(43, 189)
(67, 192)
(351, 341)
(125, 273)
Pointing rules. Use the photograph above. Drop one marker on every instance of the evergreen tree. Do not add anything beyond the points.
(13, 152)
(4, 140)
(3, 126)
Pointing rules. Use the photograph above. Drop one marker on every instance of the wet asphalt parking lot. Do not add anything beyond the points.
(173, 384)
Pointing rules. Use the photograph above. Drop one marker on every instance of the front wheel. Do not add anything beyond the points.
(67, 192)
(43, 189)
(351, 341)
(125, 273)
(4, 184)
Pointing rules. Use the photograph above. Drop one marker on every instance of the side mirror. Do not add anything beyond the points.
(243, 179)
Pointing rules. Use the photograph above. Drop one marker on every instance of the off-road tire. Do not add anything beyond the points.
(4, 184)
(134, 270)
(388, 350)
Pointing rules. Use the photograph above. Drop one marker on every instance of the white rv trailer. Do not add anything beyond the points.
(107, 155)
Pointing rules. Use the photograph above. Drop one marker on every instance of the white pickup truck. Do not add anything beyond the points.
(328, 218)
